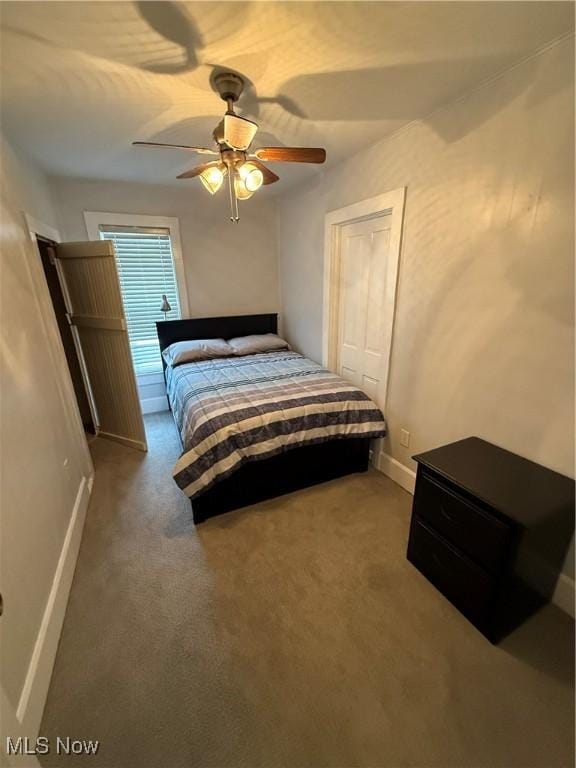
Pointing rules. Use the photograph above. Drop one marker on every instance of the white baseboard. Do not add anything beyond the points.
(139, 445)
(35, 689)
(402, 475)
(564, 594)
(154, 404)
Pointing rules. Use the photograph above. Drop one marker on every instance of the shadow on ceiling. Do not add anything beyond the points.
(403, 92)
(170, 21)
(400, 92)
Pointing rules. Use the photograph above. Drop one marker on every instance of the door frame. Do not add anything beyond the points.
(390, 203)
(65, 387)
(10, 726)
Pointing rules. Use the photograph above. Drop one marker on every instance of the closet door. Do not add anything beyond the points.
(362, 349)
(96, 314)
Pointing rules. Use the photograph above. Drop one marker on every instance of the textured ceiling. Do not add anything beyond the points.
(81, 80)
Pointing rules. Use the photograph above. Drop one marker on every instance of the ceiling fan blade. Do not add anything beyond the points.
(269, 176)
(200, 150)
(239, 132)
(197, 170)
(291, 154)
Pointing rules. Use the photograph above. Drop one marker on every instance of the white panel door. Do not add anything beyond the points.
(362, 348)
(94, 302)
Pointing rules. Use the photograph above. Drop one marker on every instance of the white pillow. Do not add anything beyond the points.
(196, 349)
(251, 345)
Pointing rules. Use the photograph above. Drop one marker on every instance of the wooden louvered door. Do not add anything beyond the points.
(96, 313)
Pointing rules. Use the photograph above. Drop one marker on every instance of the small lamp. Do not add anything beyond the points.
(165, 306)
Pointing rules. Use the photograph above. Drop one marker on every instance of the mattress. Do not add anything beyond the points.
(233, 410)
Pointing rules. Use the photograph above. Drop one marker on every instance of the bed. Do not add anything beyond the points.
(325, 435)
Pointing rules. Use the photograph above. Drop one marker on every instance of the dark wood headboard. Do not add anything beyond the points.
(170, 331)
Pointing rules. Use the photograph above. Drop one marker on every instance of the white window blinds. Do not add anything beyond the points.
(146, 271)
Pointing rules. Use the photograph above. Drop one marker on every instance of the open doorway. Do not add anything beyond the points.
(51, 274)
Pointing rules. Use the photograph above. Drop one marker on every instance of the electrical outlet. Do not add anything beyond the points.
(404, 438)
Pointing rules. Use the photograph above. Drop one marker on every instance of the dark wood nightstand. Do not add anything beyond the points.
(490, 530)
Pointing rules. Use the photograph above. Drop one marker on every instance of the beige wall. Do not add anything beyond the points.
(230, 268)
(484, 328)
(39, 431)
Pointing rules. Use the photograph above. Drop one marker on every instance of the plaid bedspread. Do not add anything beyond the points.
(233, 410)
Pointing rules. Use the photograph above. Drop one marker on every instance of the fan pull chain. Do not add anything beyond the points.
(233, 200)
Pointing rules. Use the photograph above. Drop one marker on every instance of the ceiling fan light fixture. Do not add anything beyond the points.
(212, 179)
(251, 175)
(238, 132)
(233, 138)
(240, 188)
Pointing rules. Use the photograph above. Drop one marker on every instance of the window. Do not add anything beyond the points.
(147, 268)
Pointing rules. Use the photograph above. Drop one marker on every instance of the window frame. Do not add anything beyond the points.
(96, 219)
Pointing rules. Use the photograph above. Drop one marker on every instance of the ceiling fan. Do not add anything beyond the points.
(233, 137)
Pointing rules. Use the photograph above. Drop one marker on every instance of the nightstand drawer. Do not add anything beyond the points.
(458, 578)
(478, 534)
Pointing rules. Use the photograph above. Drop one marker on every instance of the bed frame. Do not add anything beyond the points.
(289, 471)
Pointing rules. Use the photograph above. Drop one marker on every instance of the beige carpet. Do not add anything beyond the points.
(293, 633)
